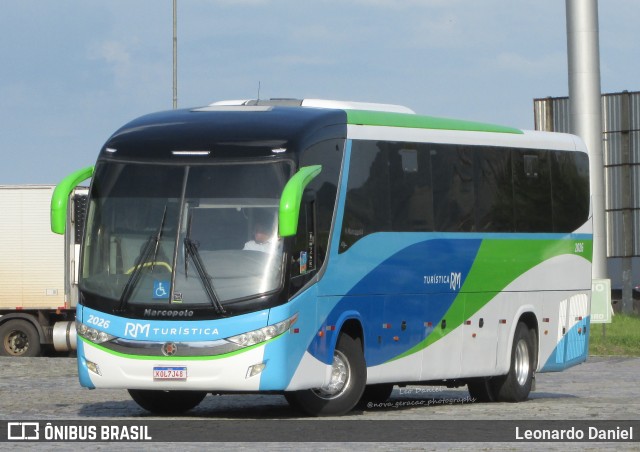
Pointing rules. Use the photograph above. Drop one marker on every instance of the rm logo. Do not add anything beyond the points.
(455, 281)
(133, 329)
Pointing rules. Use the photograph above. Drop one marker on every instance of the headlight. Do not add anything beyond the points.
(263, 334)
(92, 334)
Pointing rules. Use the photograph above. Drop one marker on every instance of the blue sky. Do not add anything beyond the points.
(73, 71)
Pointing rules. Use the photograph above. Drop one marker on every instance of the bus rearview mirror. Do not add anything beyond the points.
(60, 198)
(289, 210)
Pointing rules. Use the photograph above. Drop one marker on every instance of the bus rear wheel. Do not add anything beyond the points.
(516, 385)
(167, 402)
(345, 387)
(481, 390)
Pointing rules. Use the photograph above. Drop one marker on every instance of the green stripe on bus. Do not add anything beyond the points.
(388, 119)
(497, 264)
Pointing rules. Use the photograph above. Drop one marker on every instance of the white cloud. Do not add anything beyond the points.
(116, 55)
(439, 31)
(409, 4)
(530, 66)
(98, 64)
(235, 3)
(301, 60)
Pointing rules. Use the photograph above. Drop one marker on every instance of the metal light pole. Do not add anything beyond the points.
(586, 112)
(175, 54)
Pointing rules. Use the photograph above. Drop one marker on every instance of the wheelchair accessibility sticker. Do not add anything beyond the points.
(161, 290)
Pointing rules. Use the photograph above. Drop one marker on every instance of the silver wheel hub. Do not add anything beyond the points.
(17, 342)
(339, 380)
(522, 362)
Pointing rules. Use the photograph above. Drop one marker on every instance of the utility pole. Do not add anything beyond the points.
(586, 112)
(175, 54)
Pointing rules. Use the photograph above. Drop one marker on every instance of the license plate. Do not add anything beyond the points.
(170, 373)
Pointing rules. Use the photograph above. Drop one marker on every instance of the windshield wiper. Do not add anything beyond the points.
(132, 282)
(191, 250)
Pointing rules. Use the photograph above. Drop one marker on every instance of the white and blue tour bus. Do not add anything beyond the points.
(328, 251)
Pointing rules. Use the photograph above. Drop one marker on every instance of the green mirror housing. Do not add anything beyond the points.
(60, 198)
(291, 198)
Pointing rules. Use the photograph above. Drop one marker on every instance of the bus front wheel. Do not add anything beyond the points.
(167, 402)
(345, 387)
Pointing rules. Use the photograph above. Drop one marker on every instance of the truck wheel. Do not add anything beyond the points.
(342, 393)
(19, 338)
(167, 402)
(516, 385)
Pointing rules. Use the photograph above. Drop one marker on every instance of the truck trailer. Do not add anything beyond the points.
(38, 271)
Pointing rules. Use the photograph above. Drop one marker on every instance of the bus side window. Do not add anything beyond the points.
(569, 190)
(411, 208)
(453, 188)
(324, 189)
(532, 191)
(367, 204)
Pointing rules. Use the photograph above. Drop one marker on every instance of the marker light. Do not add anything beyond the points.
(263, 334)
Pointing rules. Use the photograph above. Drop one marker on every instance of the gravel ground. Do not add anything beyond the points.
(46, 389)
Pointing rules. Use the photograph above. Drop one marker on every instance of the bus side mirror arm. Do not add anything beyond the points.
(291, 197)
(60, 198)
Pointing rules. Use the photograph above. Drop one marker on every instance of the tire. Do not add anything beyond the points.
(292, 399)
(166, 402)
(516, 385)
(19, 338)
(481, 390)
(349, 375)
(376, 393)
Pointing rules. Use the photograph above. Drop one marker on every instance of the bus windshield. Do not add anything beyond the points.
(161, 235)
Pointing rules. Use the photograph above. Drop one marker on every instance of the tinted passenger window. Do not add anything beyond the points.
(462, 188)
(532, 191)
(570, 200)
(453, 194)
(494, 190)
(324, 188)
(367, 206)
(411, 192)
